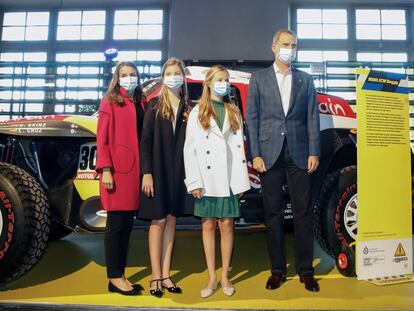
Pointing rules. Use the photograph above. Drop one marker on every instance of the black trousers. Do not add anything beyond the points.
(118, 230)
(298, 182)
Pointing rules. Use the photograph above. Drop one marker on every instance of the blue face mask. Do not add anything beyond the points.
(221, 88)
(173, 82)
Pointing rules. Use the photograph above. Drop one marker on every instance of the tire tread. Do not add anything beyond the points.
(321, 205)
(36, 223)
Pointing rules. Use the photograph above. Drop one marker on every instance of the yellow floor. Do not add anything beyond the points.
(72, 271)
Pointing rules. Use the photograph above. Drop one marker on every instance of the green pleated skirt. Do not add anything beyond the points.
(217, 207)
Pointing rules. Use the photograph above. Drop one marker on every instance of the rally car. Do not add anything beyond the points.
(49, 187)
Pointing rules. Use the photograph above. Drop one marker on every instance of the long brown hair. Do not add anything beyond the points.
(163, 106)
(206, 108)
(114, 93)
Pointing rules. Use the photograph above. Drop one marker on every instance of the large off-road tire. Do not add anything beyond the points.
(335, 212)
(335, 215)
(58, 231)
(24, 222)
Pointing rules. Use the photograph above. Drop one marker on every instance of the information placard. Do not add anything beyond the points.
(384, 240)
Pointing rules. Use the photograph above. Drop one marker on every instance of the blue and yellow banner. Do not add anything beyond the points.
(384, 240)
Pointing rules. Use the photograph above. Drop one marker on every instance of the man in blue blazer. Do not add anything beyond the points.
(284, 140)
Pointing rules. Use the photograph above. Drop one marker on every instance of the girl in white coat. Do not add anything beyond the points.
(216, 170)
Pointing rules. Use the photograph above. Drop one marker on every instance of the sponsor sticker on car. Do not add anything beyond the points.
(87, 162)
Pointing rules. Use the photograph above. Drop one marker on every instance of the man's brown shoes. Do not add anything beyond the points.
(310, 283)
(275, 280)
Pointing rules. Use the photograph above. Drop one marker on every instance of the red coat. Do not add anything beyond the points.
(117, 149)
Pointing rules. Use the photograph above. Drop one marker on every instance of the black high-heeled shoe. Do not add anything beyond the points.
(158, 292)
(172, 289)
(114, 289)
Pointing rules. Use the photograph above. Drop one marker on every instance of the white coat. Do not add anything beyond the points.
(214, 161)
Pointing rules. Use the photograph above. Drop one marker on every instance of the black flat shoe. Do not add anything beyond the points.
(173, 289)
(114, 289)
(137, 287)
(158, 292)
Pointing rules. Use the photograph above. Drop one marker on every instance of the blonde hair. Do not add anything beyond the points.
(278, 33)
(163, 106)
(114, 93)
(206, 108)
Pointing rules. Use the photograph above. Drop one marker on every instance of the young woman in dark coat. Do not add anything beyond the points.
(162, 169)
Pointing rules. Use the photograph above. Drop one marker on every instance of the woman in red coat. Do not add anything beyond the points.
(117, 164)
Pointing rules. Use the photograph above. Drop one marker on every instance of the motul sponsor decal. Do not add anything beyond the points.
(87, 176)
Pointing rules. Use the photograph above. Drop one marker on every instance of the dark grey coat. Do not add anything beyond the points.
(161, 154)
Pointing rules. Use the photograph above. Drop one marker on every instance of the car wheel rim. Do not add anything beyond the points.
(351, 216)
(342, 261)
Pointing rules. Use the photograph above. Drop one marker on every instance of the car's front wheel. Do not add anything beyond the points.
(24, 222)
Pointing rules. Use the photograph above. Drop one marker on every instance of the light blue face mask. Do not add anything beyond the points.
(173, 82)
(286, 56)
(221, 88)
(129, 83)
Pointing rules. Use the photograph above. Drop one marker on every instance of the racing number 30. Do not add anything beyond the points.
(87, 158)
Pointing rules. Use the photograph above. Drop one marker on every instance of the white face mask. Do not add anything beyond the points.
(286, 56)
(173, 82)
(129, 83)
